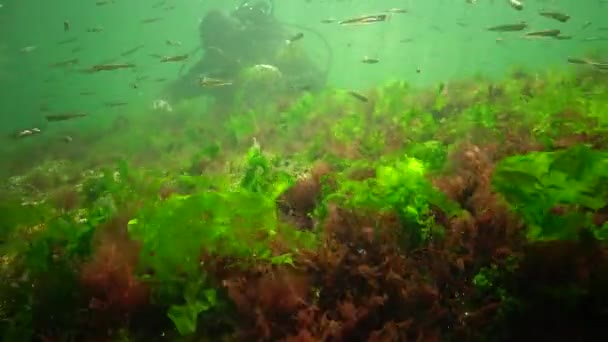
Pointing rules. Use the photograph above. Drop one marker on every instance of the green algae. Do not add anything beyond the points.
(228, 207)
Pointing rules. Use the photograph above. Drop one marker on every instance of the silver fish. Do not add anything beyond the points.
(516, 4)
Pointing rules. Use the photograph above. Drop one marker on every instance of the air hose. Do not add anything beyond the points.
(330, 53)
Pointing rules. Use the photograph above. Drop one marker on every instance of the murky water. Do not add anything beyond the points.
(303, 170)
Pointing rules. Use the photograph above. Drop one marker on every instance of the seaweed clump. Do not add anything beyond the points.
(297, 204)
(109, 278)
(472, 213)
(361, 284)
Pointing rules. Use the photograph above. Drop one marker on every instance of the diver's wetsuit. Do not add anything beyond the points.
(250, 36)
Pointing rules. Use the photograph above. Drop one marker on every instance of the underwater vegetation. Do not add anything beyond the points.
(477, 210)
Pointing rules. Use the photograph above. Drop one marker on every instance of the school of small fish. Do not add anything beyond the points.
(119, 62)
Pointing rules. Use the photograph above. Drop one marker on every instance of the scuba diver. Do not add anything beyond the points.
(249, 38)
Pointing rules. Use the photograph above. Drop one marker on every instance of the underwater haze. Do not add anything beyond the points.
(303, 170)
(443, 39)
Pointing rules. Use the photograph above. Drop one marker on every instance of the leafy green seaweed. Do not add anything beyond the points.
(399, 185)
(539, 183)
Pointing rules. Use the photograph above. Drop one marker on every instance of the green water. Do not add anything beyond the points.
(448, 42)
(416, 178)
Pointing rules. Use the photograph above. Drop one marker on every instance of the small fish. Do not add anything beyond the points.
(518, 5)
(594, 39)
(162, 105)
(209, 82)
(151, 20)
(396, 10)
(132, 51)
(267, 68)
(86, 93)
(367, 19)
(159, 4)
(601, 66)
(109, 67)
(556, 15)
(436, 28)
(563, 37)
(509, 27)
(66, 26)
(67, 139)
(369, 60)
(544, 33)
(27, 133)
(358, 96)
(441, 88)
(296, 37)
(103, 2)
(65, 63)
(115, 103)
(28, 49)
(97, 29)
(300, 87)
(64, 116)
(177, 58)
(406, 40)
(328, 21)
(216, 50)
(584, 61)
(574, 60)
(585, 25)
(67, 41)
(173, 42)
